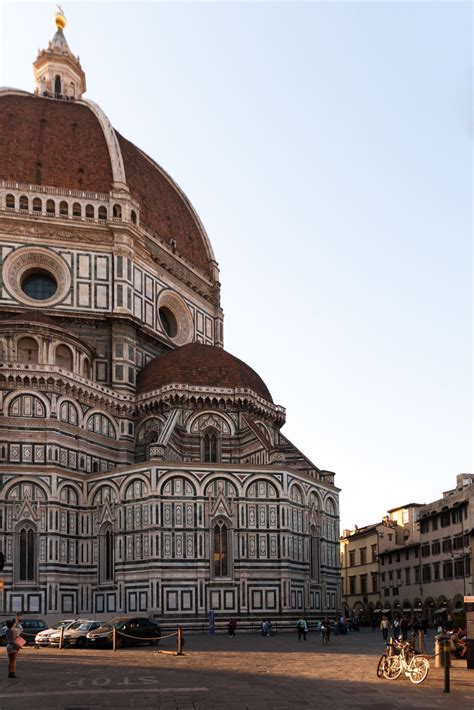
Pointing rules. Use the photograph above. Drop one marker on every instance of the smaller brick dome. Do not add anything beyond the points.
(201, 365)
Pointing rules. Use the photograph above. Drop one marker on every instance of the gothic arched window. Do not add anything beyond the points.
(314, 553)
(220, 557)
(57, 84)
(26, 557)
(210, 447)
(106, 554)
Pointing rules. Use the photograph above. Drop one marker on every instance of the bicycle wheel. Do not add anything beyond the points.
(381, 665)
(419, 668)
(392, 668)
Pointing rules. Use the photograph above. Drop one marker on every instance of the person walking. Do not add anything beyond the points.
(231, 626)
(326, 631)
(14, 629)
(385, 625)
(302, 628)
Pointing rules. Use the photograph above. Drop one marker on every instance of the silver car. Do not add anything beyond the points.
(75, 634)
(42, 638)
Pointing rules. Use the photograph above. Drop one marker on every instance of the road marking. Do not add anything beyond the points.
(92, 691)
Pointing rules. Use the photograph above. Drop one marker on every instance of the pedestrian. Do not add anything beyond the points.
(404, 627)
(326, 631)
(396, 627)
(385, 625)
(302, 628)
(231, 626)
(13, 633)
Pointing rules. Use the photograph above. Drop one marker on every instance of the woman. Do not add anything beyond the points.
(14, 629)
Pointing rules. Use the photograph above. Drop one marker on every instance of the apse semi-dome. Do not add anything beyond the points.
(70, 145)
(200, 365)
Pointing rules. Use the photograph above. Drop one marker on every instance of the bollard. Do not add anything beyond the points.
(447, 663)
(179, 641)
(114, 639)
(61, 637)
(438, 662)
(421, 642)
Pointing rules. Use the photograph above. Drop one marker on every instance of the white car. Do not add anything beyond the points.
(42, 638)
(75, 634)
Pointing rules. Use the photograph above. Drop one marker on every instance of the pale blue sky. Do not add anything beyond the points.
(327, 149)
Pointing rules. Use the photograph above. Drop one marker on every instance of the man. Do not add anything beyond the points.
(302, 628)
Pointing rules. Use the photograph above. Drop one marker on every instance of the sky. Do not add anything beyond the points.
(327, 147)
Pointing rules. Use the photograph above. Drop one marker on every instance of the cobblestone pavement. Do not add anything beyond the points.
(219, 673)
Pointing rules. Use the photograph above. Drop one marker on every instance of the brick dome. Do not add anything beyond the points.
(63, 144)
(200, 365)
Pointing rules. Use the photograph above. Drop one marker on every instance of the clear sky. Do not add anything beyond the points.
(327, 148)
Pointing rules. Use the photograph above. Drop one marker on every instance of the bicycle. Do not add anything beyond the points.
(414, 666)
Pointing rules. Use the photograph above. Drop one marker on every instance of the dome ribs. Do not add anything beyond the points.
(64, 137)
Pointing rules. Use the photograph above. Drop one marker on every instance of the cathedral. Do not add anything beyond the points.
(142, 466)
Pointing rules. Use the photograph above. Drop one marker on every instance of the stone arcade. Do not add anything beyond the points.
(142, 467)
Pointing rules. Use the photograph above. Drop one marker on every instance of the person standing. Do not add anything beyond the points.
(302, 628)
(14, 629)
(385, 625)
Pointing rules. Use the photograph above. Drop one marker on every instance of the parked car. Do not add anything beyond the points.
(75, 634)
(42, 638)
(30, 628)
(129, 631)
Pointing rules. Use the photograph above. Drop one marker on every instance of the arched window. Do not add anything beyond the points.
(117, 212)
(90, 211)
(220, 557)
(57, 85)
(210, 446)
(26, 405)
(314, 553)
(27, 350)
(50, 207)
(37, 205)
(76, 210)
(63, 208)
(10, 201)
(86, 368)
(68, 413)
(134, 217)
(106, 554)
(103, 213)
(26, 558)
(63, 357)
(100, 424)
(23, 202)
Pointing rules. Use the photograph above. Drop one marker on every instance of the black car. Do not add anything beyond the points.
(128, 631)
(31, 627)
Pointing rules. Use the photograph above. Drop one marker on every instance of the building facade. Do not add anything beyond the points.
(424, 564)
(142, 467)
(368, 588)
(446, 547)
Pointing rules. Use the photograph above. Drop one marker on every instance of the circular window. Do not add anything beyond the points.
(39, 285)
(168, 321)
(174, 319)
(35, 274)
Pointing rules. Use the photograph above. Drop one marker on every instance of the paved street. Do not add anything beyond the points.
(219, 672)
